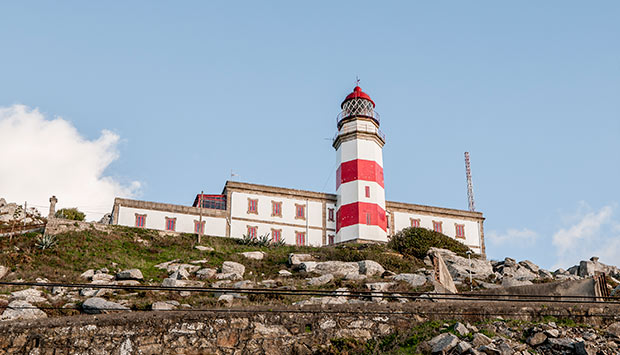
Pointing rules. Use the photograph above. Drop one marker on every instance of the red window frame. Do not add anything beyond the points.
(201, 229)
(253, 205)
(300, 238)
(415, 222)
(140, 220)
(437, 226)
(276, 235)
(252, 232)
(367, 191)
(171, 224)
(300, 211)
(330, 240)
(460, 230)
(330, 214)
(276, 208)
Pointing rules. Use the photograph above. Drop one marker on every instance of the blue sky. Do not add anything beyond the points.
(187, 91)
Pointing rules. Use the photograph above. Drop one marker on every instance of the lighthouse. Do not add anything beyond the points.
(360, 206)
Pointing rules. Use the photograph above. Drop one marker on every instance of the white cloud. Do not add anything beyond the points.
(512, 236)
(594, 233)
(41, 157)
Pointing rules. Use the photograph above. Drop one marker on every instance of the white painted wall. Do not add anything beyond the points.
(239, 208)
(360, 149)
(472, 230)
(185, 222)
(361, 231)
(314, 237)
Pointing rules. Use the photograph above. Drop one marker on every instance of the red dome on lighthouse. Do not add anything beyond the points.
(357, 94)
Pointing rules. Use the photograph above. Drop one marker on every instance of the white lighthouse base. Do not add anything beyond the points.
(361, 232)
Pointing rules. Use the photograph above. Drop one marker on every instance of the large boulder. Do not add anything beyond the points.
(590, 267)
(370, 268)
(231, 267)
(20, 309)
(165, 305)
(254, 255)
(442, 275)
(336, 268)
(459, 267)
(30, 295)
(97, 305)
(206, 273)
(295, 259)
(131, 274)
(443, 343)
(3, 271)
(414, 280)
(321, 280)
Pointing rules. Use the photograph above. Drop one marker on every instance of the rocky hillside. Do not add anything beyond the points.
(12, 214)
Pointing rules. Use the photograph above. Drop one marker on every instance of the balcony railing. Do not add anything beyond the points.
(372, 114)
(363, 129)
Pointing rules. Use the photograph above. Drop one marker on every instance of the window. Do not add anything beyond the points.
(140, 220)
(253, 205)
(415, 222)
(300, 211)
(330, 239)
(460, 230)
(199, 228)
(368, 218)
(300, 238)
(276, 235)
(171, 224)
(330, 214)
(367, 191)
(437, 227)
(252, 232)
(276, 209)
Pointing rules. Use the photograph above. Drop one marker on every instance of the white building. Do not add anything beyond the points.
(357, 212)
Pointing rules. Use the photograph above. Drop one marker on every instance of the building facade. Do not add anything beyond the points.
(358, 212)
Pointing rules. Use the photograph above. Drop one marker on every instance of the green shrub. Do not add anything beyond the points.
(417, 241)
(70, 213)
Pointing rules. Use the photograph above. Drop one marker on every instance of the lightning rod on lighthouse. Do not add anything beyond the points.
(470, 186)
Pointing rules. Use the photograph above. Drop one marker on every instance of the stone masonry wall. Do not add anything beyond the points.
(259, 331)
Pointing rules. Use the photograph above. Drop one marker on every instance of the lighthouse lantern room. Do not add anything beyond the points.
(360, 206)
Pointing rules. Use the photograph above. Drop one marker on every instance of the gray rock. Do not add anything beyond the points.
(462, 347)
(552, 333)
(560, 271)
(336, 268)
(169, 282)
(97, 305)
(254, 255)
(226, 300)
(355, 276)
(29, 295)
(164, 305)
(542, 273)
(164, 266)
(189, 268)
(481, 339)
(131, 274)
(321, 280)
(443, 343)
(415, 280)
(530, 266)
(88, 274)
(228, 276)
(370, 268)
(203, 248)
(537, 339)
(306, 266)
(614, 329)
(206, 273)
(490, 349)
(284, 273)
(461, 329)
(231, 267)
(560, 343)
(379, 286)
(3, 271)
(443, 279)
(20, 309)
(295, 260)
(459, 267)
(102, 277)
(180, 274)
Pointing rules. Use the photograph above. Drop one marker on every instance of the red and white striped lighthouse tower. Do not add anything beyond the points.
(359, 180)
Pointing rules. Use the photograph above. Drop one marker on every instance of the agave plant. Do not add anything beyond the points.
(46, 241)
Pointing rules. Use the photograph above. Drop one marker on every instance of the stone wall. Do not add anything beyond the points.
(258, 331)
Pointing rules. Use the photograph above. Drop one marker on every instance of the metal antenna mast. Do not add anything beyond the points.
(470, 186)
